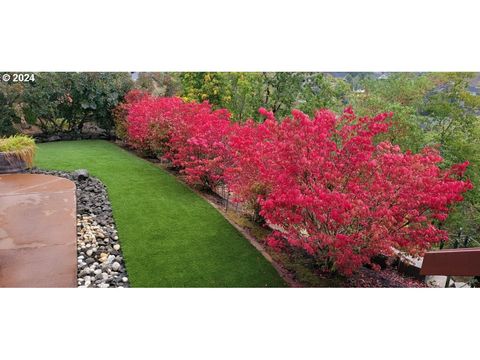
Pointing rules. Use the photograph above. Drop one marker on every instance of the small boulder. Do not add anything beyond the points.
(54, 138)
(81, 174)
(115, 266)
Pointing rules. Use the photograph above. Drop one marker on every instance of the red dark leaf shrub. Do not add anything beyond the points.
(150, 123)
(199, 146)
(337, 194)
(191, 135)
(120, 112)
(324, 182)
(250, 145)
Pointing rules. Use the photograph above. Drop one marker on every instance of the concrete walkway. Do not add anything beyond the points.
(37, 231)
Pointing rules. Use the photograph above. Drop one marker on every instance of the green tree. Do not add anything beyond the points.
(244, 93)
(452, 120)
(10, 97)
(66, 101)
(45, 102)
(323, 91)
(159, 83)
(281, 91)
(206, 86)
(240, 93)
(401, 93)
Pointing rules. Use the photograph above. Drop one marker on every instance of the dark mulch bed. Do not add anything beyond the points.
(387, 278)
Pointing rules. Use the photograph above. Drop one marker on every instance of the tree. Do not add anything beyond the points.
(46, 101)
(281, 91)
(64, 102)
(401, 93)
(321, 91)
(206, 86)
(245, 95)
(452, 121)
(305, 91)
(159, 83)
(10, 97)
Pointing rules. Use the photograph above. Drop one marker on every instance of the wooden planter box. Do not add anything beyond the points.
(11, 164)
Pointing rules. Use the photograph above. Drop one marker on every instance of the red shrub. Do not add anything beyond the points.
(150, 123)
(120, 112)
(341, 197)
(250, 146)
(323, 181)
(191, 135)
(200, 147)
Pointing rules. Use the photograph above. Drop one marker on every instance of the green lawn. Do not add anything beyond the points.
(170, 236)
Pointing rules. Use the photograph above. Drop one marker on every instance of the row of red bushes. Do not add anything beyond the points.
(325, 181)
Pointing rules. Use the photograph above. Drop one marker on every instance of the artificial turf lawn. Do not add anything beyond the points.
(170, 236)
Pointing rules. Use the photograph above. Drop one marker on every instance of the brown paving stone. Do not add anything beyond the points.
(37, 231)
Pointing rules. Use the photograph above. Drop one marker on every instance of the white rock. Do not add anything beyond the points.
(115, 266)
(124, 279)
(116, 247)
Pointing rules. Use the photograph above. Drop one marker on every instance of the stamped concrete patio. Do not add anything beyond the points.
(37, 231)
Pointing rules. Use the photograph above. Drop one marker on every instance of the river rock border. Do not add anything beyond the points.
(100, 262)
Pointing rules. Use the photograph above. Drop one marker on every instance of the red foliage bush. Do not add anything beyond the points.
(150, 123)
(251, 144)
(191, 135)
(200, 147)
(120, 112)
(322, 181)
(340, 196)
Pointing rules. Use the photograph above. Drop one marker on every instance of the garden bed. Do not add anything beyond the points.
(100, 260)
